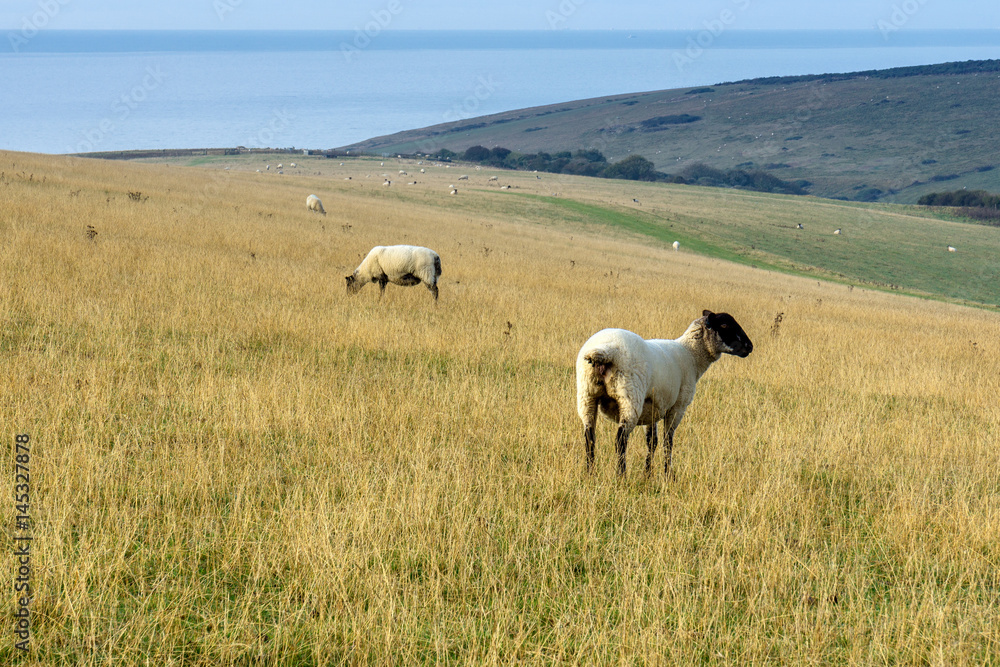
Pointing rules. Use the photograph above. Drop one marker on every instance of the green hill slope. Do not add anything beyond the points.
(890, 135)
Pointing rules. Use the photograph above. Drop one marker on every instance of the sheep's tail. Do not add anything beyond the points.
(437, 266)
(603, 361)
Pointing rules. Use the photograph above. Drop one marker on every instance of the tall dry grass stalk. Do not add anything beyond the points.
(234, 462)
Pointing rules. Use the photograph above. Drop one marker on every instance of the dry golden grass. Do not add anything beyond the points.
(234, 462)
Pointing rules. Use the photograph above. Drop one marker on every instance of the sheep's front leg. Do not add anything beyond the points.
(651, 442)
(668, 446)
(670, 424)
(382, 282)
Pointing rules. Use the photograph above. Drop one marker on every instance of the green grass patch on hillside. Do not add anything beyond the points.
(643, 224)
(909, 257)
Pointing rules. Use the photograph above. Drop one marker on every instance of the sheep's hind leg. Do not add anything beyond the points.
(588, 443)
(434, 291)
(621, 444)
(651, 442)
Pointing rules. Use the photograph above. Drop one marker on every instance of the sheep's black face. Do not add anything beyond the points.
(352, 285)
(734, 340)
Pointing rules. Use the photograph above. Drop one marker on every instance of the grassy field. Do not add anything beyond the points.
(234, 463)
(871, 138)
(887, 247)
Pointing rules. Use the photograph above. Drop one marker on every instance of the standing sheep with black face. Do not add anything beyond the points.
(640, 382)
(397, 264)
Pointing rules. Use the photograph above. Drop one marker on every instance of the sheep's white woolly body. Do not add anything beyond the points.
(634, 381)
(314, 204)
(398, 264)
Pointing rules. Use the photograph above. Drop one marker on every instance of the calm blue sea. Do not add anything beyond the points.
(79, 91)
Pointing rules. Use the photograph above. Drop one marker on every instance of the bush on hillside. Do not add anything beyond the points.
(476, 154)
(633, 168)
(961, 198)
(660, 122)
(754, 179)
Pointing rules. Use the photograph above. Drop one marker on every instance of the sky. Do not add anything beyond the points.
(498, 14)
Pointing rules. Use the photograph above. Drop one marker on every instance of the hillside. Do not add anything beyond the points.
(889, 135)
(234, 462)
(881, 246)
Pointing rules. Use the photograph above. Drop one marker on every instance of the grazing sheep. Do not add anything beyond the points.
(463, 178)
(454, 191)
(387, 182)
(677, 245)
(952, 249)
(292, 165)
(314, 204)
(423, 171)
(837, 232)
(397, 264)
(799, 226)
(281, 166)
(494, 178)
(640, 382)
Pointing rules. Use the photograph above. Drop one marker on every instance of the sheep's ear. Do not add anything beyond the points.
(706, 313)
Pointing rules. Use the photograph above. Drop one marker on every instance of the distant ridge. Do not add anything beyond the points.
(966, 67)
(894, 134)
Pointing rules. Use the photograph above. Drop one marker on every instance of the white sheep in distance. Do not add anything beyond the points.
(952, 248)
(404, 265)
(676, 245)
(314, 204)
(633, 381)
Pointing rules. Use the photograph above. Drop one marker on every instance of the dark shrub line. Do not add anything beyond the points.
(591, 162)
(975, 204)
